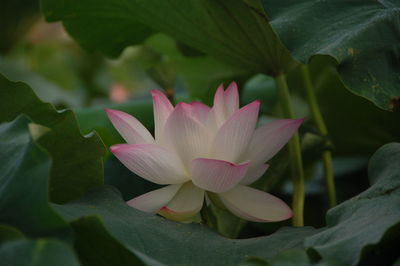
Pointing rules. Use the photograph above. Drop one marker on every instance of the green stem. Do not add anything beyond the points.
(295, 155)
(323, 131)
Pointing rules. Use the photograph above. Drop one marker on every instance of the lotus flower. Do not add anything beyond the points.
(201, 152)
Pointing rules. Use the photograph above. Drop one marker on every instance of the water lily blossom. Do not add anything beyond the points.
(201, 152)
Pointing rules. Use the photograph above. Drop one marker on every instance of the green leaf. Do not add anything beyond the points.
(95, 246)
(235, 31)
(366, 219)
(77, 160)
(175, 243)
(43, 88)
(42, 252)
(108, 27)
(24, 170)
(263, 88)
(345, 113)
(290, 257)
(361, 35)
(201, 75)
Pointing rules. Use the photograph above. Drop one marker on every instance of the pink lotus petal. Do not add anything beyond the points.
(270, 138)
(129, 127)
(200, 111)
(185, 204)
(154, 200)
(234, 136)
(254, 173)
(219, 96)
(231, 99)
(216, 175)
(152, 162)
(186, 135)
(162, 108)
(255, 205)
(219, 110)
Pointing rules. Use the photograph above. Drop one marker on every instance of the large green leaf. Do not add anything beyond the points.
(77, 160)
(95, 246)
(201, 75)
(25, 210)
(367, 219)
(107, 27)
(235, 31)
(24, 170)
(45, 89)
(362, 35)
(42, 252)
(355, 125)
(175, 243)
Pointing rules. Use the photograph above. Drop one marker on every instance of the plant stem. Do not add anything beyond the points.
(323, 131)
(295, 155)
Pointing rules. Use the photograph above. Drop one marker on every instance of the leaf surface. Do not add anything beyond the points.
(235, 31)
(77, 160)
(363, 36)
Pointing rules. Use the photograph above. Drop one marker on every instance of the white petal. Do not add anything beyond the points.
(255, 205)
(200, 111)
(129, 127)
(234, 136)
(231, 98)
(152, 162)
(162, 108)
(154, 200)
(254, 173)
(270, 138)
(185, 204)
(186, 135)
(216, 175)
(219, 110)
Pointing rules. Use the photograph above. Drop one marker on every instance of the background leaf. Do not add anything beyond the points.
(363, 36)
(24, 171)
(96, 246)
(175, 243)
(355, 125)
(365, 219)
(42, 252)
(234, 31)
(83, 169)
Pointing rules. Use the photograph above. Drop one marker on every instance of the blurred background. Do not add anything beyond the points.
(43, 55)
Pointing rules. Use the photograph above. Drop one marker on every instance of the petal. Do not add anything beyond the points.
(255, 205)
(270, 138)
(216, 175)
(162, 108)
(200, 111)
(154, 200)
(234, 136)
(152, 162)
(185, 204)
(129, 127)
(218, 114)
(254, 173)
(231, 99)
(186, 135)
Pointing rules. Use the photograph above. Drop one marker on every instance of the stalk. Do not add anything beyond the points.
(323, 131)
(296, 161)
